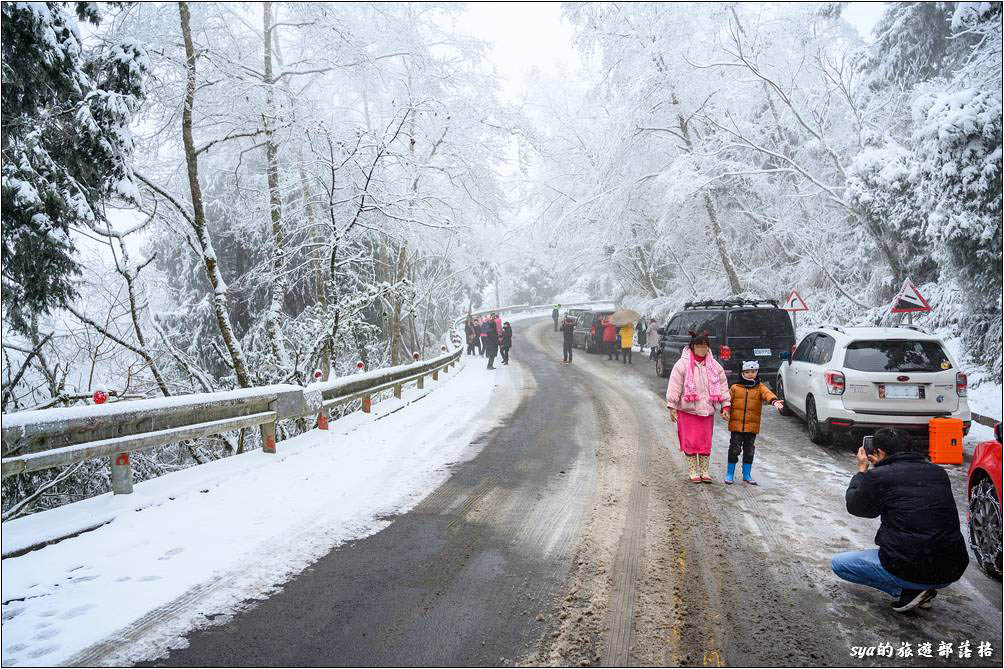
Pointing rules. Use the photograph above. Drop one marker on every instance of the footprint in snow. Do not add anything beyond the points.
(83, 579)
(76, 611)
(171, 553)
(47, 634)
(120, 579)
(48, 613)
(16, 648)
(150, 578)
(44, 650)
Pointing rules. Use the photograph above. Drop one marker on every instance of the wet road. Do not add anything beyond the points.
(574, 539)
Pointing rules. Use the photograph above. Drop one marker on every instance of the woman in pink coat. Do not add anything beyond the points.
(697, 389)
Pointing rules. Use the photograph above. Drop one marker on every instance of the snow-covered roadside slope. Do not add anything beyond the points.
(219, 534)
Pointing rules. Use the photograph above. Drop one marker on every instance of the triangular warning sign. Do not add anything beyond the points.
(909, 300)
(795, 302)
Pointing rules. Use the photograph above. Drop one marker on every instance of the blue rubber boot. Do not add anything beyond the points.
(747, 474)
(730, 472)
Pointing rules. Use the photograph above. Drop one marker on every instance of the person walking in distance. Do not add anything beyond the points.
(470, 332)
(653, 337)
(482, 335)
(491, 343)
(610, 339)
(506, 342)
(747, 399)
(554, 316)
(642, 335)
(626, 335)
(567, 332)
(697, 388)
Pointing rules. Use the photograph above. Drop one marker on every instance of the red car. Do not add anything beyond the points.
(984, 486)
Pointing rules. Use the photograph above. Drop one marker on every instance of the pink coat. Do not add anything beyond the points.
(674, 391)
(498, 325)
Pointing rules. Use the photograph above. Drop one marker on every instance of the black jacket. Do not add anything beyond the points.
(506, 336)
(491, 338)
(568, 330)
(919, 539)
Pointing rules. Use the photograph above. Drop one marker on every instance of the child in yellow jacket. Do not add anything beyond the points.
(748, 397)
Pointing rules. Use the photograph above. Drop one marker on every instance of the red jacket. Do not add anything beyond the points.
(609, 332)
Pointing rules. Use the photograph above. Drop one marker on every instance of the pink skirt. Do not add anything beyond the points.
(694, 432)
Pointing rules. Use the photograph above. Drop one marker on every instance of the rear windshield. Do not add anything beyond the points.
(760, 323)
(896, 356)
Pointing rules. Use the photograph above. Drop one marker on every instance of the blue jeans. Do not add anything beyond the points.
(864, 567)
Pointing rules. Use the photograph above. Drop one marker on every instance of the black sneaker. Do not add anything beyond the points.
(925, 603)
(910, 599)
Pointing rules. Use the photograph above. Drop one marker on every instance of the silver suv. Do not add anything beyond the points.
(858, 379)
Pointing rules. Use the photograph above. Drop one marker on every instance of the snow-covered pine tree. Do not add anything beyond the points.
(66, 144)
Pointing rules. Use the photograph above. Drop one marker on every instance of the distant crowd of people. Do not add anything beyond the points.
(488, 336)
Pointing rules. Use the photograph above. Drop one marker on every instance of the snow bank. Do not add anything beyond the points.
(233, 529)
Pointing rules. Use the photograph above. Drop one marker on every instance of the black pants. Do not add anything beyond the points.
(626, 352)
(491, 352)
(481, 346)
(613, 351)
(555, 319)
(505, 355)
(742, 442)
(567, 352)
(470, 347)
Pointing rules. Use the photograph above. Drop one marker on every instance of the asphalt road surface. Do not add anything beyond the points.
(573, 538)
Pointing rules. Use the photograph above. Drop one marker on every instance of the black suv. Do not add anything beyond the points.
(588, 333)
(739, 330)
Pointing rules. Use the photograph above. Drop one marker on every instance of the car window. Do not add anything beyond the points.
(692, 320)
(896, 355)
(712, 322)
(674, 325)
(821, 349)
(759, 322)
(801, 354)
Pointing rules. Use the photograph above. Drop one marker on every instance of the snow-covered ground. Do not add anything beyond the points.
(207, 538)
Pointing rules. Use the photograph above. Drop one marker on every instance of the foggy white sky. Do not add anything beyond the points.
(530, 35)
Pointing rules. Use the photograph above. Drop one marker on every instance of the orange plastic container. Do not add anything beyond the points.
(945, 441)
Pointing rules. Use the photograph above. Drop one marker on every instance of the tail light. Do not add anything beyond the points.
(725, 353)
(793, 347)
(834, 382)
(961, 384)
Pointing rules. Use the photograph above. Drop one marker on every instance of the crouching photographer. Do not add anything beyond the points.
(920, 547)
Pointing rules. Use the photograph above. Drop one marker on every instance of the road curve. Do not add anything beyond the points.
(573, 538)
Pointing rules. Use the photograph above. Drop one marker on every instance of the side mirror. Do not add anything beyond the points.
(661, 331)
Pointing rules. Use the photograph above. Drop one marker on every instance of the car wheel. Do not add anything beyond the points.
(660, 367)
(816, 434)
(780, 395)
(985, 527)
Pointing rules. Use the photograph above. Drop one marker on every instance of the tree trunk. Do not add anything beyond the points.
(273, 318)
(220, 302)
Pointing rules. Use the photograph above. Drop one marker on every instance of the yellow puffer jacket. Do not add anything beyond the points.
(744, 415)
(627, 336)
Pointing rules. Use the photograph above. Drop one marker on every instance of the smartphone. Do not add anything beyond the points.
(866, 443)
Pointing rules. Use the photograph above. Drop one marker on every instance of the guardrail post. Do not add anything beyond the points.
(121, 474)
(421, 382)
(367, 403)
(397, 391)
(435, 375)
(268, 437)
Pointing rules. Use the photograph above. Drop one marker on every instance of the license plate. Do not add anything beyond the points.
(898, 392)
(762, 352)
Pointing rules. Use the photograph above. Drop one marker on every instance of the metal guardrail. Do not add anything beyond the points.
(49, 438)
(36, 440)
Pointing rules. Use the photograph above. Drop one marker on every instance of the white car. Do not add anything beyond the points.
(858, 379)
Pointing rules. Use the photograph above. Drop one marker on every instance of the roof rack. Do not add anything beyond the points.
(708, 304)
(833, 327)
(912, 327)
